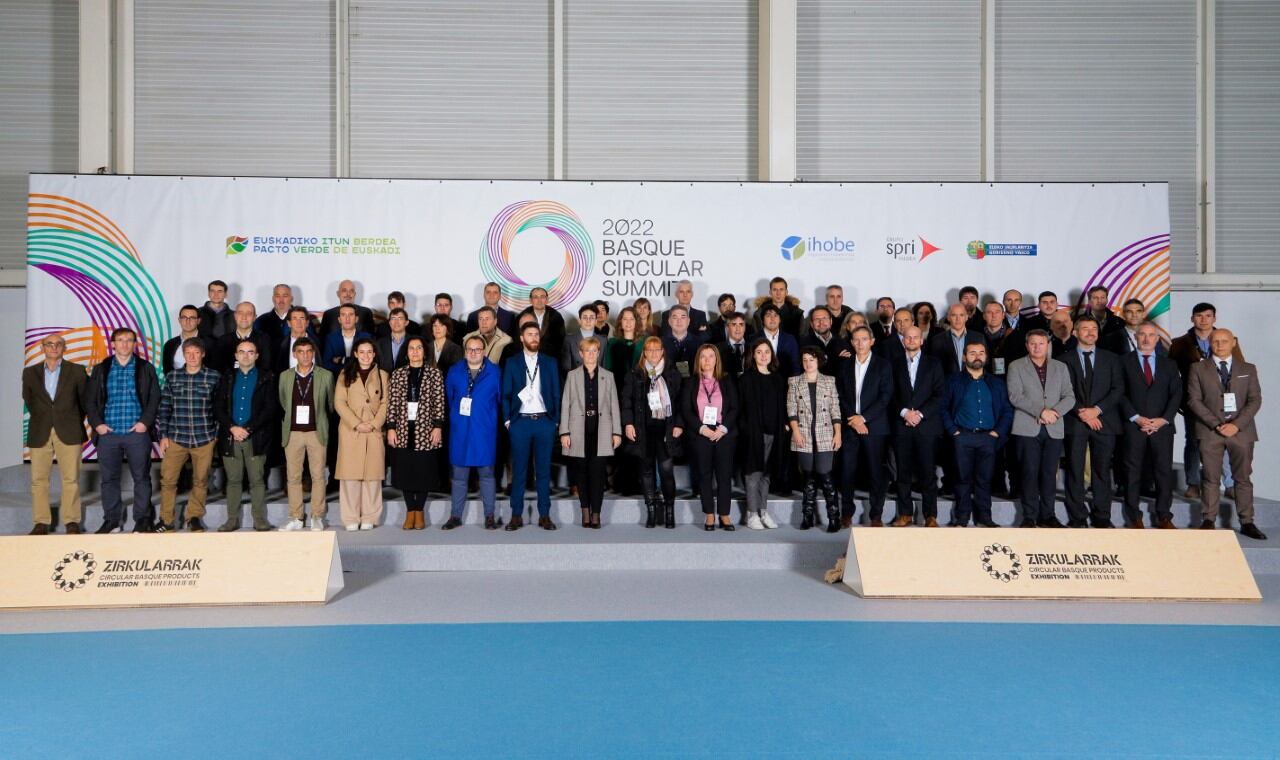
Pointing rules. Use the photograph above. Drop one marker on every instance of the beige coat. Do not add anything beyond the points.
(361, 456)
(573, 415)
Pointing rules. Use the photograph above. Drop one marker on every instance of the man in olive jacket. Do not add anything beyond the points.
(54, 392)
(306, 399)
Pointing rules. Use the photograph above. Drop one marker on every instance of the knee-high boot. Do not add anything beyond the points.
(809, 502)
(651, 503)
(832, 499)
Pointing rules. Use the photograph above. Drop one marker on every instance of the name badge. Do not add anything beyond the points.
(464, 406)
(302, 415)
(413, 410)
(709, 417)
(655, 401)
(682, 368)
(527, 395)
(999, 366)
(1229, 403)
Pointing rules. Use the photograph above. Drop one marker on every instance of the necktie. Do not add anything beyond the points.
(1088, 375)
(1146, 370)
(1225, 375)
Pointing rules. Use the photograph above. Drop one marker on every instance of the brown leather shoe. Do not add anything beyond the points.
(546, 524)
(876, 524)
(1206, 525)
(419, 519)
(1137, 523)
(1166, 524)
(846, 522)
(409, 522)
(516, 523)
(1192, 492)
(931, 522)
(39, 529)
(901, 521)
(73, 529)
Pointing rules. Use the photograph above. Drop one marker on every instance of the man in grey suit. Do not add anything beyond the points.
(1224, 395)
(570, 357)
(1040, 393)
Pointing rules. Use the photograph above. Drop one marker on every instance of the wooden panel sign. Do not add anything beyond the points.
(170, 569)
(1005, 563)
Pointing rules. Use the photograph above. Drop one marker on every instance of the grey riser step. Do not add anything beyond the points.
(16, 516)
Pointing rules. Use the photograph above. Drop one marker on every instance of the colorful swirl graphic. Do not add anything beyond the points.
(1140, 270)
(579, 252)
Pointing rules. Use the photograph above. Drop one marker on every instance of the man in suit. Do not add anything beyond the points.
(330, 322)
(1153, 393)
(337, 347)
(976, 416)
(1040, 394)
(684, 297)
(531, 409)
(395, 300)
(865, 385)
(680, 342)
(1225, 397)
(892, 348)
(275, 323)
(1092, 427)
(1062, 339)
(283, 357)
(733, 351)
(948, 346)
(506, 320)
(223, 357)
(1048, 303)
(1097, 307)
(1125, 340)
(549, 322)
(1005, 344)
(917, 426)
(726, 305)
(188, 327)
(1186, 351)
(791, 318)
(570, 356)
(393, 347)
(883, 326)
(1013, 311)
(835, 350)
(785, 346)
(54, 392)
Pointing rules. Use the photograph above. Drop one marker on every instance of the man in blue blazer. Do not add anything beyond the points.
(977, 416)
(531, 408)
(865, 384)
(337, 344)
(785, 346)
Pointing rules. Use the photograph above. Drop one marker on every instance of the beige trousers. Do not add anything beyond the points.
(360, 501)
(305, 447)
(171, 468)
(68, 455)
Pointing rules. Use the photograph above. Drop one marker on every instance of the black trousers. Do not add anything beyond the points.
(1142, 451)
(870, 451)
(715, 465)
(914, 451)
(1039, 455)
(588, 471)
(1101, 448)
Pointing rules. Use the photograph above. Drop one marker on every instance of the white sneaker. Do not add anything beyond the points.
(766, 519)
(753, 522)
(353, 527)
(317, 523)
(292, 525)
(364, 526)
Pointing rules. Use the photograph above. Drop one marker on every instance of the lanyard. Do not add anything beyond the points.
(532, 377)
(708, 392)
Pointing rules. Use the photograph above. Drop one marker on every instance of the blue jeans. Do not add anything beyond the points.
(536, 436)
(458, 493)
(113, 448)
(975, 459)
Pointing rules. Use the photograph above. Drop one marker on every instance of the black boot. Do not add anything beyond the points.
(809, 504)
(649, 510)
(669, 507)
(832, 499)
(649, 485)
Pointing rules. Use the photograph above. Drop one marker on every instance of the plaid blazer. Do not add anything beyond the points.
(827, 413)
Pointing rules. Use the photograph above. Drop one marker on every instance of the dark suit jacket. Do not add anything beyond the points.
(925, 397)
(881, 332)
(384, 330)
(364, 321)
(831, 360)
(877, 393)
(334, 352)
(1011, 345)
(282, 354)
(1117, 342)
(788, 353)
(1161, 399)
(64, 412)
(682, 351)
(697, 320)
(689, 405)
(1108, 388)
(552, 333)
(941, 348)
(514, 379)
(388, 362)
(1037, 321)
(275, 327)
(728, 361)
(223, 356)
(215, 324)
(506, 322)
(171, 349)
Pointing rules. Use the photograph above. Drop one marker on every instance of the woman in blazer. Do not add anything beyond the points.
(361, 403)
(763, 422)
(415, 430)
(711, 411)
(651, 424)
(813, 412)
(590, 427)
(442, 353)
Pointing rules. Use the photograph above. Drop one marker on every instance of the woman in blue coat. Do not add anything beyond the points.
(473, 390)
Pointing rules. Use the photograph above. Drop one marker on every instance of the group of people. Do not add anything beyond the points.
(830, 401)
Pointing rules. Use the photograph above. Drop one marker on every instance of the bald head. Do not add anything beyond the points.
(1222, 342)
(911, 338)
(957, 315)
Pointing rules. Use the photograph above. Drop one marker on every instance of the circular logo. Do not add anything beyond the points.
(1001, 562)
(579, 252)
(74, 571)
(976, 249)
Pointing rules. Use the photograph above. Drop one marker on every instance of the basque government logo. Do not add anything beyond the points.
(74, 571)
(236, 244)
(793, 248)
(560, 220)
(1001, 563)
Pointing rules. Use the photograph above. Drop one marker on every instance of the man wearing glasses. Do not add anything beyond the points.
(54, 392)
(188, 327)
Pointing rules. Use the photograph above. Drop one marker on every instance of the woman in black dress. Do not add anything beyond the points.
(415, 430)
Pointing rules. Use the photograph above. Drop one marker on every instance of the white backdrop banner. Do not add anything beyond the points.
(111, 251)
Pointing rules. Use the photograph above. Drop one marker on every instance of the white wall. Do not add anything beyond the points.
(1251, 316)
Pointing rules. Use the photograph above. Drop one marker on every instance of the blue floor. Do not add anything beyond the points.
(665, 689)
